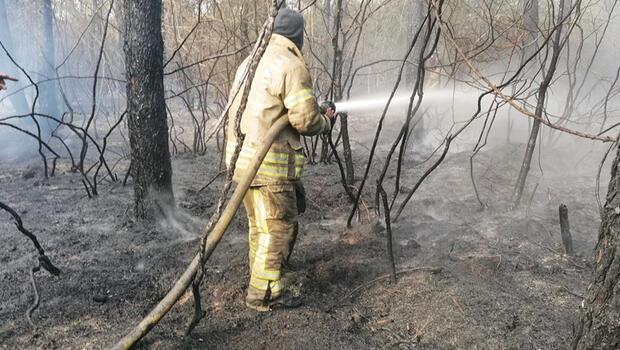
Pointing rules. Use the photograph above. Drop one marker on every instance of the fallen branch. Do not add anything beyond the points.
(20, 226)
(35, 303)
(212, 180)
(42, 260)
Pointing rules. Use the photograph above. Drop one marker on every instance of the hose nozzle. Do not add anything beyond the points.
(325, 105)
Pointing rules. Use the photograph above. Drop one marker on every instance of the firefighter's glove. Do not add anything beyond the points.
(4, 77)
(326, 105)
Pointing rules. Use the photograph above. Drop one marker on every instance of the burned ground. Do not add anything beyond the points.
(499, 280)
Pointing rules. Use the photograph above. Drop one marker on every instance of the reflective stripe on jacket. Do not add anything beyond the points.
(282, 87)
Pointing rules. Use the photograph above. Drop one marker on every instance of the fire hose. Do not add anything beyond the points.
(181, 285)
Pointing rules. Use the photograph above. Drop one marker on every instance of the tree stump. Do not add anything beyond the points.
(567, 240)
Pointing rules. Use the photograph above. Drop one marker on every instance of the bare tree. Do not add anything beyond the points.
(558, 44)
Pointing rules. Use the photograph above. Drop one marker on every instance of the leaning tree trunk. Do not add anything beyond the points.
(599, 326)
(146, 110)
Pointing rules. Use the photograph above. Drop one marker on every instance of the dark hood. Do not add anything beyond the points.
(290, 24)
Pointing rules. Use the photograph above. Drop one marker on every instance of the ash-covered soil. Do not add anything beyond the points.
(491, 278)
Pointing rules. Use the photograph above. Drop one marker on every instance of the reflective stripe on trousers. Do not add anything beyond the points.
(272, 221)
(281, 166)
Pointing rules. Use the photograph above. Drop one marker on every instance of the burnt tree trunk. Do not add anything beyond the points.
(346, 148)
(599, 324)
(338, 43)
(146, 111)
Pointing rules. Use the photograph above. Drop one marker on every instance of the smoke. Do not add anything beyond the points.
(181, 225)
(58, 48)
(584, 78)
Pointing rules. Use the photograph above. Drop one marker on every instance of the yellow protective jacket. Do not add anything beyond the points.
(281, 87)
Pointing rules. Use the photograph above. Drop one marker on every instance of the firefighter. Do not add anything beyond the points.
(4, 77)
(281, 88)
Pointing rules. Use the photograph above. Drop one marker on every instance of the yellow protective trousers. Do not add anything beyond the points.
(272, 212)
